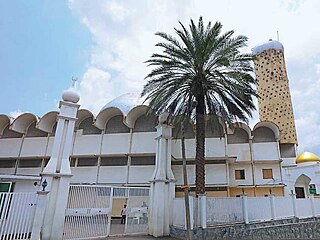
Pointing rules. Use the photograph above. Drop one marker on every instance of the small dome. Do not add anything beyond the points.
(125, 102)
(71, 95)
(307, 157)
(272, 44)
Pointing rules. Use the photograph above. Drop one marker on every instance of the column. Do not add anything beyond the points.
(162, 184)
(57, 172)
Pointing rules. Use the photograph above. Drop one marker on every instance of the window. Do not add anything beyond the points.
(240, 174)
(5, 187)
(30, 163)
(7, 163)
(87, 162)
(267, 174)
(145, 160)
(114, 161)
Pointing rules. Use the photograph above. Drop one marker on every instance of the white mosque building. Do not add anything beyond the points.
(118, 147)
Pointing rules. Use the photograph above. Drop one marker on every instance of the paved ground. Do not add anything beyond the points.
(140, 237)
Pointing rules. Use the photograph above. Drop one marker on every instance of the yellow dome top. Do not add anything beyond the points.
(307, 157)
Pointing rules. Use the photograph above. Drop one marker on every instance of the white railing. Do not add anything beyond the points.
(229, 210)
(16, 215)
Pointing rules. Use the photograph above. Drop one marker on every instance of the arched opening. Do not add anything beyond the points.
(88, 128)
(35, 132)
(8, 133)
(239, 136)
(188, 133)
(116, 125)
(263, 134)
(301, 186)
(213, 130)
(145, 123)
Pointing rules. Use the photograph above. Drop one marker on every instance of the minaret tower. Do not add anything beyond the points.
(274, 94)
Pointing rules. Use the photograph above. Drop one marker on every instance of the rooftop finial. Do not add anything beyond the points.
(74, 80)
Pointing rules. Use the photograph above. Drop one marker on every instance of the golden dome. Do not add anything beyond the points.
(307, 157)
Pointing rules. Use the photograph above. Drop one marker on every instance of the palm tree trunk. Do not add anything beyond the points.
(185, 183)
(200, 145)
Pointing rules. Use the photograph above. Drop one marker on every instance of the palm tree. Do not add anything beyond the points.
(205, 67)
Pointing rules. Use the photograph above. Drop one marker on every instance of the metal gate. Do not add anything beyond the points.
(16, 215)
(89, 211)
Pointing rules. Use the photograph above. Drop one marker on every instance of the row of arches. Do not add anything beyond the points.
(113, 120)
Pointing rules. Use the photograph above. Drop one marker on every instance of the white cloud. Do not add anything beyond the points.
(16, 113)
(123, 35)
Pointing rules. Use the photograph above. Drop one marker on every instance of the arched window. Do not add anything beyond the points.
(213, 130)
(145, 123)
(116, 125)
(239, 136)
(35, 132)
(8, 133)
(188, 134)
(263, 134)
(54, 128)
(88, 128)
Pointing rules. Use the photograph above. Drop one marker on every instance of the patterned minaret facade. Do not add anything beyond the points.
(273, 88)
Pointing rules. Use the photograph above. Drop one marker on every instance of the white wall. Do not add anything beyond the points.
(140, 174)
(240, 150)
(248, 174)
(10, 147)
(215, 147)
(265, 151)
(190, 148)
(144, 142)
(29, 171)
(34, 147)
(87, 145)
(216, 174)
(113, 174)
(26, 186)
(84, 174)
(276, 171)
(116, 143)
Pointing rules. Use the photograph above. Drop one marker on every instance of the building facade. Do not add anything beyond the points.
(118, 147)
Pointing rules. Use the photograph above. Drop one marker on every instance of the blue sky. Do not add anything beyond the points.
(105, 42)
(42, 45)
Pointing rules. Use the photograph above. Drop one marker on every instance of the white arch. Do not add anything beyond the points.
(82, 115)
(245, 127)
(105, 115)
(134, 114)
(4, 122)
(47, 121)
(271, 125)
(22, 122)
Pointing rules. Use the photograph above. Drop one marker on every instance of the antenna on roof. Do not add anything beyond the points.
(277, 35)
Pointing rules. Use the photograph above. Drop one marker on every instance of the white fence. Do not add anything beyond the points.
(16, 215)
(247, 209)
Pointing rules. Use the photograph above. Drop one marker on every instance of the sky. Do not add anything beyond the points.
(104, 44)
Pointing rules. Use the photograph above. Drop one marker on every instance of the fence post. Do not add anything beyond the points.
(313, 210)
(39, 215)
(245, 209)
(272, 205)
(294, 205)
(191, 204)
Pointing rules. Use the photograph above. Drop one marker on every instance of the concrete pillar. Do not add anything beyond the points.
(39, 215)
(162, 189)
(272, 206)
(245, 209)
(203, 210)
(294, 204)
(58, 172)
(313, 210)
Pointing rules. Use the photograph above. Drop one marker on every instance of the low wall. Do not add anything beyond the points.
(294, 228)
